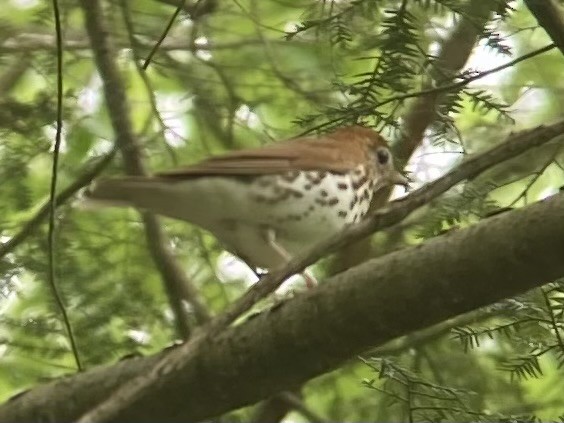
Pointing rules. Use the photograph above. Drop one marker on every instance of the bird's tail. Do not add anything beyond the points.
(117, 192)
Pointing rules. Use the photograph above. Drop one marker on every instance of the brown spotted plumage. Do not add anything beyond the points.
(270, 203)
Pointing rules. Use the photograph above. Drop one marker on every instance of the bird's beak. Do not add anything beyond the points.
(396, 178)
(392, 177)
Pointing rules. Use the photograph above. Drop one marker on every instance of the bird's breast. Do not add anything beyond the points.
(302, 204)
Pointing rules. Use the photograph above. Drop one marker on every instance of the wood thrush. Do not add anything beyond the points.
(270, 203)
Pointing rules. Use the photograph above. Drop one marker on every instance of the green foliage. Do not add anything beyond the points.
(245, 74)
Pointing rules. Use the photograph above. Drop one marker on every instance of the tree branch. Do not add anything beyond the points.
(315, 332)
(550, 17)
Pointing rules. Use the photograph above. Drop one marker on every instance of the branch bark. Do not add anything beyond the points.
(315, 332)
(550, 17)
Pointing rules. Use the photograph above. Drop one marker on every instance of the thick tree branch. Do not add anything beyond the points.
(177, 285)
(551, 17)
(366, 306)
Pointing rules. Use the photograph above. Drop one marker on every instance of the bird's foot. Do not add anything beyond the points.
(310, 280)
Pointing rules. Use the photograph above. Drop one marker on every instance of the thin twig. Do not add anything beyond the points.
(196, 9)
(441, 89)
(163, 36)
(145, 78)
(464, 81)
(63, 196)
(553, 322)
(535, 178)
(426, 336)
(288, 81)
(51, 234)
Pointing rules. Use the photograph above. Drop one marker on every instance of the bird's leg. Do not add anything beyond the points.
(270, 236)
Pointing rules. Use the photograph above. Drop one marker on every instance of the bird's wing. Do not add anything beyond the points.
(331, 153)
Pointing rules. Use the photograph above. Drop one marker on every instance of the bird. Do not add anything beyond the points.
(271, 203)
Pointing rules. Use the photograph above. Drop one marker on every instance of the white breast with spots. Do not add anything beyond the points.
(305, 207)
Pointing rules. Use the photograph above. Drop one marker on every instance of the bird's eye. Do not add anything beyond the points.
(383, 156)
